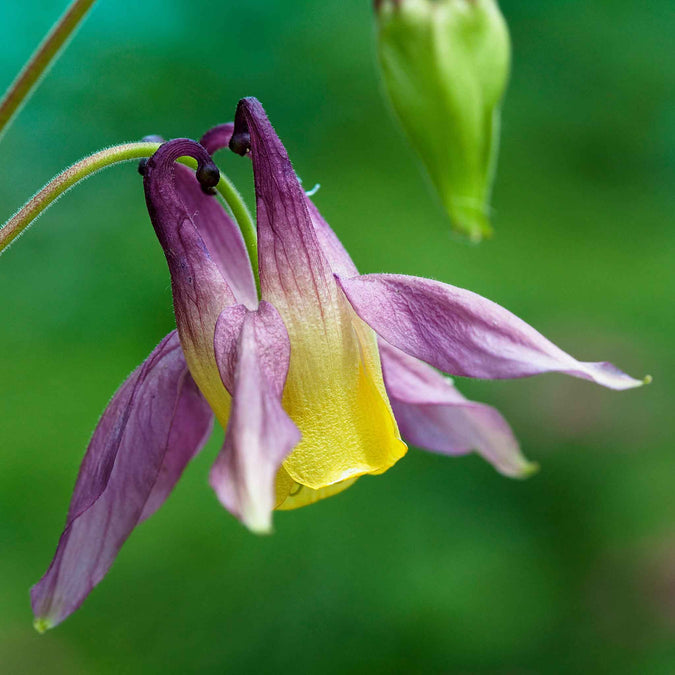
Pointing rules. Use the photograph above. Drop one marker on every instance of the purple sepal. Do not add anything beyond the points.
(200, 291)
(294, 273)
(153, 426)
(253, 353)
(462, 333)
(433, 415)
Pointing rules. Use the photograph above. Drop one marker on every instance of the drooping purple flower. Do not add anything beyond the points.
(311, 378)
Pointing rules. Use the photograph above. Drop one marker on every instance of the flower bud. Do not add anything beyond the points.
(445, 65)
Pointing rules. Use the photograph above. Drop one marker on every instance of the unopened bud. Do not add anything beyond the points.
(445, 65)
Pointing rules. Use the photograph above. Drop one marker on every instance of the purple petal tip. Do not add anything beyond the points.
(608, 375)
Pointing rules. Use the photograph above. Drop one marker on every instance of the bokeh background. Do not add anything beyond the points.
(441, 565)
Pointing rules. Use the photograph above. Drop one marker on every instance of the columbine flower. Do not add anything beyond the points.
(311, 378)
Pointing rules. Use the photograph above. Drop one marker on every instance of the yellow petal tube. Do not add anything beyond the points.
(335, 395)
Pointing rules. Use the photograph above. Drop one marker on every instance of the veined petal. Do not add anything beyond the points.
(220, 232)
(337, 256)
(153, 426)
(432, 414)
(462, 333)
(253, 353)
(200, 292)
(334, 391)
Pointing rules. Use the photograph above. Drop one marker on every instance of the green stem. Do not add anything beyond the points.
(41, 59)
(124, 153)
(243, 217)
(65, 180)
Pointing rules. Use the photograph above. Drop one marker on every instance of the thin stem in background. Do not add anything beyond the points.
(22, 87)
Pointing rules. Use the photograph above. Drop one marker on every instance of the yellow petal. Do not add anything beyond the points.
(335, 395)
(292, 495)
(334, 391)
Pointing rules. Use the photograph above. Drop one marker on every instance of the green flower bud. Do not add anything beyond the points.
(445, 65)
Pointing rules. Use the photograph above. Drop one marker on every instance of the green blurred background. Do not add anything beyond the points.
(441, 565)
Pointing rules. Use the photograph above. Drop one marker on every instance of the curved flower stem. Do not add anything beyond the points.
(65, 180)
(41, 59)
(123, 153)
(243, 217)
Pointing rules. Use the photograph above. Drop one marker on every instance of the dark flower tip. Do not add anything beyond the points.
(161, 163)
(207, 172)
(241, 137)
(208, 176)
(240, 142)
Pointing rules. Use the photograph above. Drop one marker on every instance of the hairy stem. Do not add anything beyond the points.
(123, 153)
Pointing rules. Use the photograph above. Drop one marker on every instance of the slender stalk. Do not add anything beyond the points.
(42, 58)
(243, 217)
(123, 153)
(65, 180)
